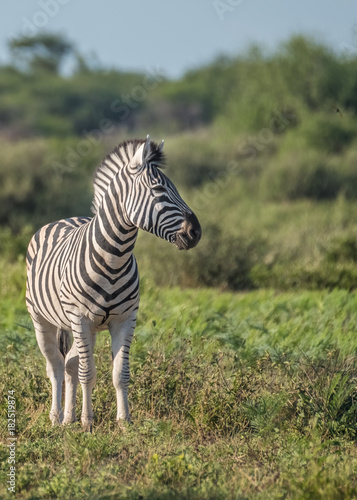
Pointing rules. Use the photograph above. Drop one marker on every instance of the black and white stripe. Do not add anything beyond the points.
(82, 275)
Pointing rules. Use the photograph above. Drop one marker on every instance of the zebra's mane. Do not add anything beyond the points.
(117, 159)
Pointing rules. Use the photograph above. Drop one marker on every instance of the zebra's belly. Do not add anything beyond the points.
(100, 303)
(61, 310)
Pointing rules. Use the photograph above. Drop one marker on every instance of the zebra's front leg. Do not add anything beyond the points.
(122, 334)
(84, 336)
(71, 383)
(46, 335)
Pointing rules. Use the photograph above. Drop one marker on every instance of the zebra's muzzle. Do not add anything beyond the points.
(189, 234)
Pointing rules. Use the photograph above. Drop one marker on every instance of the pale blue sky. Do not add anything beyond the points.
(178, 35)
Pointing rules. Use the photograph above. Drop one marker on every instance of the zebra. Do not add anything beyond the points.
(82, 276)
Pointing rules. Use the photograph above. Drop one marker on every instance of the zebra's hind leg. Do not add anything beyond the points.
(84, 336)
(71, 383)
(46, 335)
(122, 334)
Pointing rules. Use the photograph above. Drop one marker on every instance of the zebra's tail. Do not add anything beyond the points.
(63, 341)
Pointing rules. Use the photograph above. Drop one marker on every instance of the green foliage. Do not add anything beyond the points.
(301, 174)
(254, 126)
(249, 244)
(53, 106)
(39, 179)
(226, 266)
(13, 246)
(272, 415)
(194, 160)
(342, 249)
(327, 134)
(41, 52)
(240, 94)
(223, 260)
(312, 72)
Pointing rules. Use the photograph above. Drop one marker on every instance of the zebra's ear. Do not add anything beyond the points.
(142, 153)
(161, 145)
(146, 152)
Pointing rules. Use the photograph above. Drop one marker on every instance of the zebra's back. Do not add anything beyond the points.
(46, 260)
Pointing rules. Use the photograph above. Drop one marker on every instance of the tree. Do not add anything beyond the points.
(43, 52)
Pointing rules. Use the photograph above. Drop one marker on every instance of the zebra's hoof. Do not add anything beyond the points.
(56, 418)
(68, 421)
(87, 425)
(124, 424)
(69, 418)
(88, 428)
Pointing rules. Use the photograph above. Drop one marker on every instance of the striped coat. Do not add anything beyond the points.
(82, 275)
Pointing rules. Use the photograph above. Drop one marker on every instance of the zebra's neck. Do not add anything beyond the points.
(112, 238)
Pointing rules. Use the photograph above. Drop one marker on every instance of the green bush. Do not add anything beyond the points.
(220, 260)
(328, 133)
(301, 175)
(346, 165)
(297, 276)
(13, 245)
(343, 249)
(195, 159)
(39, 184)
(223, 260)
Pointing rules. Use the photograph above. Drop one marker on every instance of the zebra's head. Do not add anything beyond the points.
(153, 202)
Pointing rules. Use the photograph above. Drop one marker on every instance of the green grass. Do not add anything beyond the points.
(246, 395)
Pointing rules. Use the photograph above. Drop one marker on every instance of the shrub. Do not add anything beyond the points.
(223, 260)
(342, 249)
(12, 245)
(301, 175)
(347, 168)
(220, 260)
(194, 159)
(326, 133)
(325, 275)
(39, 185)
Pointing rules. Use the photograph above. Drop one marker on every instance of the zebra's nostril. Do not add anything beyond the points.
(192, 228)
(194, 233)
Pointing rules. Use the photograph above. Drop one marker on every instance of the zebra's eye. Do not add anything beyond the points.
(159, 189)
